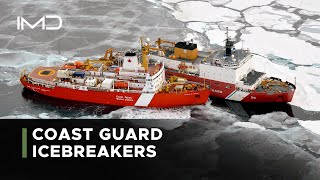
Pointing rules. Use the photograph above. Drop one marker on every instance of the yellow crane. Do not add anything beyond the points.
(107, 60)
(145, 49)
(161, 41)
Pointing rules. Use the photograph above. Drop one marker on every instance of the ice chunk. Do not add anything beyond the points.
(313, 126)
(310, 5)
(249, 125)
(271, 18)
(282, 45)
(203, 11)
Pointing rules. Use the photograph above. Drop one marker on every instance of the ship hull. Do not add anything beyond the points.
(158, 100)
(228, 91)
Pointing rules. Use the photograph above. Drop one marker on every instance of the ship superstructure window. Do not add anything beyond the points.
(228, 87)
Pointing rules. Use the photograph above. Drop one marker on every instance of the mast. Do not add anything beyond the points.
(229, 44)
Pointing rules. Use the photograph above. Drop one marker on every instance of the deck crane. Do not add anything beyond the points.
(145, 49)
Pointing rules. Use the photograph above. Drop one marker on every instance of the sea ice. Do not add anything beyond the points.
(203, 11)
(249, 125)
(241, 5)
(311, 30)
(310, 5)
(265, 43)
(313, 126)
(270, 18)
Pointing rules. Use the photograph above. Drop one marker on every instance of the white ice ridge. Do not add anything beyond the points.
(203, 11)
(249, 125)
(313, 126)
(271, 18)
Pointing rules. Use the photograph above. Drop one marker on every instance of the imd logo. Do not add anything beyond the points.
(22, 21)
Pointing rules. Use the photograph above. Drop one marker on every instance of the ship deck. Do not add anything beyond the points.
(44, 73)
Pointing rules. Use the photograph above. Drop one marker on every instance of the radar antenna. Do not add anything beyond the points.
(229, 44)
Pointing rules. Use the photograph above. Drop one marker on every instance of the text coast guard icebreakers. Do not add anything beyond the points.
(90, 150)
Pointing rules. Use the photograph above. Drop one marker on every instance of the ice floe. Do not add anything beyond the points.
(203, 11)
(171, 1)
(310, 5)
(313, 126)
(217, 36)
(249, 125)
(270, 18)
(264, 42)
(241, 5)
(200, 27)
(310, 30)
(301, 137)
(219, 2)
(274, 120)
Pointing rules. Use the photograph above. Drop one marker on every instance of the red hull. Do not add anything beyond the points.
(159, 100)
(225, 90)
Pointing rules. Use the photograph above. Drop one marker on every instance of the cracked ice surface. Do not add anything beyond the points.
(310, 30)
(310, 5)
(203, 11)
(264, 42)
(270, 18)
(241, 5)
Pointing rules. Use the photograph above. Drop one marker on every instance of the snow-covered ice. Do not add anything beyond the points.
(203, 11)
(264, 42)
(241, 5)
(270, 18)
(219, 2)
(200, 27)
(313, 126)
(249, 125)
(310, 30)
(273, 120)
(311, 5)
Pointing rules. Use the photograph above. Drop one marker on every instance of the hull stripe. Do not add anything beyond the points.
(144, 100)
(231, 94)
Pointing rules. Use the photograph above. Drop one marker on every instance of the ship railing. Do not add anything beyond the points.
(113, 90)
(41, 82)
(244, 89)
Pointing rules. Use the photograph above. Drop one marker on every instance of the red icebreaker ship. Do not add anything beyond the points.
(119, 80)
(228, 71)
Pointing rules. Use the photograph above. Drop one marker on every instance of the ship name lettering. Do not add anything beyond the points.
(217, 91)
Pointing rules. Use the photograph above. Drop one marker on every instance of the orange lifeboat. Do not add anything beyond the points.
(121, 84)
(79, 64)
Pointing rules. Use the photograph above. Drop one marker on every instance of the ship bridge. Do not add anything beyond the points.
(238, 57)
